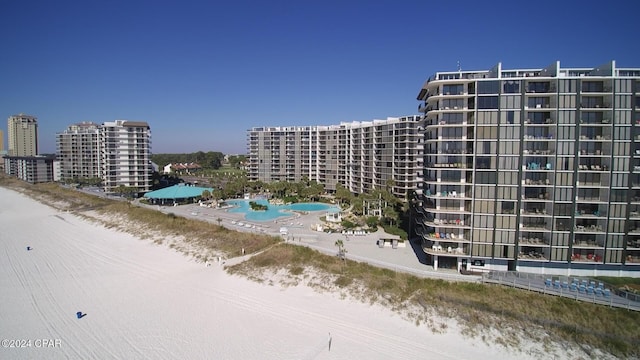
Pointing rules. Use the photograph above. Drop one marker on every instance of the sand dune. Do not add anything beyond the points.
(144, 301)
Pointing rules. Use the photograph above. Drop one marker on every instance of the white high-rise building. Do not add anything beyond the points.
(360, 156)
(78, 153)
(117, 152)
(125, 150)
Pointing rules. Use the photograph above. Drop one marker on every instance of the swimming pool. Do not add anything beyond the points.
(276, 211)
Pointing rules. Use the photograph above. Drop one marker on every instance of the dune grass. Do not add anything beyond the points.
(479, 308)
(141, 221)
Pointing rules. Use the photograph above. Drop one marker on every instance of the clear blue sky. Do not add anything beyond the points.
(201, 73)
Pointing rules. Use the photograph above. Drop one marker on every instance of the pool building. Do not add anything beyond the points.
(176, 194)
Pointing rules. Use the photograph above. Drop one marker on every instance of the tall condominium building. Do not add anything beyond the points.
(534, 170)
(283, 153)
(381, 154)
(78, 153)
(1, 142)
(124, 155)
(361, 156)
(22, 133)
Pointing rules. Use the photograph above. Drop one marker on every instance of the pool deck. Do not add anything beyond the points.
(364, 248)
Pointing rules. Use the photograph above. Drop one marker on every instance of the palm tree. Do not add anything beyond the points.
(342, 252)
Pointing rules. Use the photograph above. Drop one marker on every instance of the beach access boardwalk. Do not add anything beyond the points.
(408, 258)
(579, 289)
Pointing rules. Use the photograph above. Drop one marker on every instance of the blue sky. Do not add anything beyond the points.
(202, 73)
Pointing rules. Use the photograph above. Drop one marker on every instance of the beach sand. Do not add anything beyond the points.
(146, 301)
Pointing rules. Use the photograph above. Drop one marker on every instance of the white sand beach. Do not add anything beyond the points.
(146, 301)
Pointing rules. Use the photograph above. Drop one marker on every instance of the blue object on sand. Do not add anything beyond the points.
(28, 248)
(79, 314)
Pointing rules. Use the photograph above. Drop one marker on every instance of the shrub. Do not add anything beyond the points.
(348, 224)
(372, 222)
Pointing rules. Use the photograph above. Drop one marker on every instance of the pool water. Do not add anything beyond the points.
(276, 211)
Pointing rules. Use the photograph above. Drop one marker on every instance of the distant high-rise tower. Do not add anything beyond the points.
(22, 135)
(1, 142)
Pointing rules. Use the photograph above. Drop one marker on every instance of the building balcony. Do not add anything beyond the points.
(541, 152)
(446, 237)
(537, 183)
(535, 224)
(597, 123)
(593, 154)
(540, 88)
(633, 259)
(537, 197)
(597, 168)
(595, 138)
(445, 194)
(539, 138)
(586, 256)
(534, 123)
(592, 199)
(532, 254)
(447, 165)
(447, 223)
(588, 228)
(537, 212)
(445, 248)
(633, 244)
(450, 210)
(532, 240)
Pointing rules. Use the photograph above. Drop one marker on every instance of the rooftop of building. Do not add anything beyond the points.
(554, 70)
(180, 191)
(342, 125)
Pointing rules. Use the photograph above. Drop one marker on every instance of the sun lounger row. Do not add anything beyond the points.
(354, 232)
(583, 287)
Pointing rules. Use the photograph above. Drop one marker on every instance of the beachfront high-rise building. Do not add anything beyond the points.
(22, 135)
(124, 153)
(117, 152)
(534, 170)
(360, 156)
(77, 151)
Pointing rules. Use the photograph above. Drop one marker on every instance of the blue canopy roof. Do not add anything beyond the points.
(180, 191)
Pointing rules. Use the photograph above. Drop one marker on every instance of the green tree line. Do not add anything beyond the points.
(208, 160)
